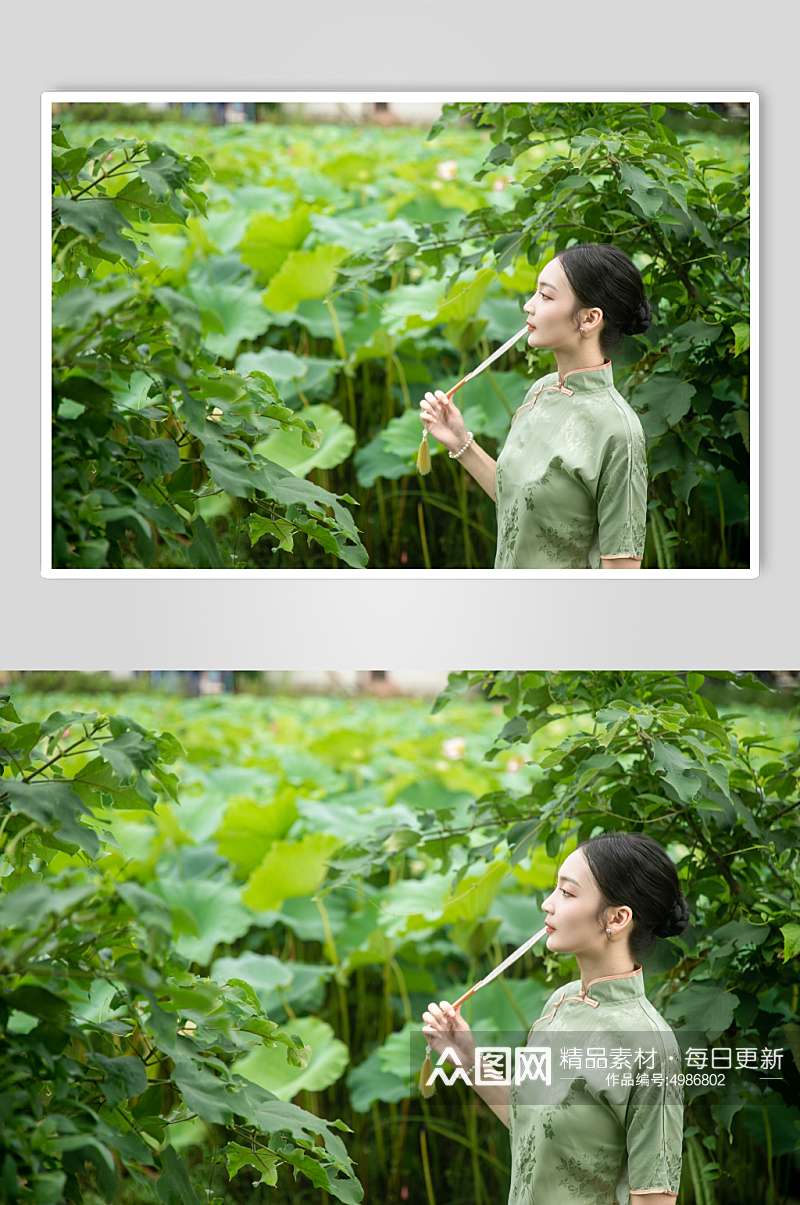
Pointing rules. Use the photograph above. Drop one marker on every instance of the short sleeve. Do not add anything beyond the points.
(654, 1134)
(622, 494)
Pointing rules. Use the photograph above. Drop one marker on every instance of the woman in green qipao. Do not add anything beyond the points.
(597, 1141)
(571, 481)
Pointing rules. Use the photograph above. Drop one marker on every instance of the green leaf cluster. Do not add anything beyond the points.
(109, 1041)
(358, 269)
(618, 173)
(342, 862)
(650, 753)
(150, 432)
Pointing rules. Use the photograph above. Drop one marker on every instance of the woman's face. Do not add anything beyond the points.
(571, 910)
(550, 311)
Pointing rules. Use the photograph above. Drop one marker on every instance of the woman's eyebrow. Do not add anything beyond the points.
(544, 285)
(565, 879)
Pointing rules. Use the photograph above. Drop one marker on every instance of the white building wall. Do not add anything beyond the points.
(401, 112)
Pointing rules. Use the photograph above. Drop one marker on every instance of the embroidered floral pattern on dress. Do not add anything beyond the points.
(592, 496)
(594, 1141)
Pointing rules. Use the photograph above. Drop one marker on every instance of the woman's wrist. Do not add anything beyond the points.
(457, 454)
(468, 1070)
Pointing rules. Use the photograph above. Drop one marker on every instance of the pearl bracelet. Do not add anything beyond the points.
(458, 455)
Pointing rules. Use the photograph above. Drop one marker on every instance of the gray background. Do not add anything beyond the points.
(383, 44)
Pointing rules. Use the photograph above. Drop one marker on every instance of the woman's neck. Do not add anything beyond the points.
(584, 355)
(614, 960)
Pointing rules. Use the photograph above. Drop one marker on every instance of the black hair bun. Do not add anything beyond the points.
(677, 920)
(641, 320)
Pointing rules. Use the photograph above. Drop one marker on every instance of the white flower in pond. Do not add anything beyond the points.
(454, 748)
(446, 170)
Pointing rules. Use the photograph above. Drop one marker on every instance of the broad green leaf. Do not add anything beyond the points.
(401, 437)
(666, 399)
(100, 220)
(268, 241)
(740, 933)
(642, 188)
(741, 334)
(471, 899)
(138, 202)
(52, 803)
(263, 972)
(27, 906)
(269, 1067)
(464, 299)
(290, 869)
(742, 419)
(79, 1149)
(215, 908)
(97, 780)
(284, 487)
(281, 366)
(226, 228)
(704, 1007)
(304, 275)
(368, 1083)
(373, 461)
(412, 306)
(279, 531)
(150, 909)
(203, 1091)
(696, 332)
(791, 935)
(238, 310)
(249, 828)
(174, 1186)
(36, 1001)
(262, 1159)
(124, 1077)
(286, 448)
(182, 311)
(679, 770)
(78, 306)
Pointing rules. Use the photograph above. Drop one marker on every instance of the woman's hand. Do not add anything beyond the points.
(445, 1027)
(442, 419)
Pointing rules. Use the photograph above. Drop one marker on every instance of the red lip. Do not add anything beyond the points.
(549, 928)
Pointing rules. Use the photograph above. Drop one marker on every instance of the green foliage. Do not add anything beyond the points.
(359, 268)
(423, 864)
(654, 755)
(108, 1039)
(150, 431)
(616, 172)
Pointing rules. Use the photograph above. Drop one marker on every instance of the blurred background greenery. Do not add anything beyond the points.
(273, 787)
(285, 274)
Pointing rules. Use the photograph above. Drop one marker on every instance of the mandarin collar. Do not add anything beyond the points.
(600, 376)
(628, 985)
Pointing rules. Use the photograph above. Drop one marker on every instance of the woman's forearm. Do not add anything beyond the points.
(479, 465)
(495, 1096)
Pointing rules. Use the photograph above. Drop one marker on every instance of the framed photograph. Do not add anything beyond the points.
(400, 335)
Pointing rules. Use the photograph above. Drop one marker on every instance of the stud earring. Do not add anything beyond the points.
(608, 930)
(581, 330)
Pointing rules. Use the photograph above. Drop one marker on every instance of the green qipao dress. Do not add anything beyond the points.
(607, 1126)
(571, 480)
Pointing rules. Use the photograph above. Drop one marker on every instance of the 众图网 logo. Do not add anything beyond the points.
(493, 1066)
